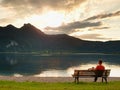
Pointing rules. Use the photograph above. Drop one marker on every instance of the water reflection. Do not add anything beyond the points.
(53, 73)
(115, 71)
(59, 65)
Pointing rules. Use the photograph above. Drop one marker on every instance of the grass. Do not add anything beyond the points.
(12, 85)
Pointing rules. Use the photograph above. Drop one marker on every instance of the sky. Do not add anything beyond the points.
(95, 20)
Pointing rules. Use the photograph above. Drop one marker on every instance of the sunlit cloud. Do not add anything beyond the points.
(98, 28)
(95, 24)
(41, 3)
(64, 16)
(93, 37)
(74, 25)
(37, 6)
(46, 11)
(6, 16)
(102, 16)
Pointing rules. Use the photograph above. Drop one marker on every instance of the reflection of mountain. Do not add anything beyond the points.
(28, 64)
(28, 38)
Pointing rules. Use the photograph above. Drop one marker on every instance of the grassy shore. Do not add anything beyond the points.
(12, 85)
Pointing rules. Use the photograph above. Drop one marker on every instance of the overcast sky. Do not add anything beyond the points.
(97, 20)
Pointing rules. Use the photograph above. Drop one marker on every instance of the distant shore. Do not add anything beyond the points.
(52, 79)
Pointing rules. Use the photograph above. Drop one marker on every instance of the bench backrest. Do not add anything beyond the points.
(92, 72)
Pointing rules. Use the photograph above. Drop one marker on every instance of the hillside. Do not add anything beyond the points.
(28, 39)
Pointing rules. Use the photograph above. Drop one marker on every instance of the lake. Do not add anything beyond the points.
(45, 65)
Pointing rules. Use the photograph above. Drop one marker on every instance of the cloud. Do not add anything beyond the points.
(101, 16)
(70, 27)
(87, 23)
(7, 19)
(38, 5)
(4, 20)
(98, 28)
(26, 8)
(93, 37)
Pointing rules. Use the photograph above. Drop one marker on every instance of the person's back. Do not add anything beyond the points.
(99, 70)
(100, 66)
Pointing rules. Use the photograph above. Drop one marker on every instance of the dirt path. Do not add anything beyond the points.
(52, 79)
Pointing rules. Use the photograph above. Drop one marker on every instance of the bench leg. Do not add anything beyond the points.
(105, 78)
(76, 79)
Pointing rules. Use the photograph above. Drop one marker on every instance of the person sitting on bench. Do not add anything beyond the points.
(99, 70)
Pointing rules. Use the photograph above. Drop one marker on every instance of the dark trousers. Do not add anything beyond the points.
(96, 77)
(99, 73)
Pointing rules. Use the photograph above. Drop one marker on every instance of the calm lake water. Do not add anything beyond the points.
(55, 65)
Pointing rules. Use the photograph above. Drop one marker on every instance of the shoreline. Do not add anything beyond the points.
(52, 79)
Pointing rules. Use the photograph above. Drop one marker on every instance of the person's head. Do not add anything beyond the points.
(100, 62)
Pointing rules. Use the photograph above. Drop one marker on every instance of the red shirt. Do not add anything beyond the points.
(100, 67)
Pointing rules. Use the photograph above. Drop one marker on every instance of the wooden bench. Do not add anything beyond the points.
(91, 73)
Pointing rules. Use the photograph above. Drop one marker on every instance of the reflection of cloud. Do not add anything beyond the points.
(115, 71)
(17, 75)
(101, 16)
(49, 73)
(74, 25)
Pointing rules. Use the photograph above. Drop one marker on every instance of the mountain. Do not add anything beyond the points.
(28, 38)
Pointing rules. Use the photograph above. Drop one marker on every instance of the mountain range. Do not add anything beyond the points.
(28, 38)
